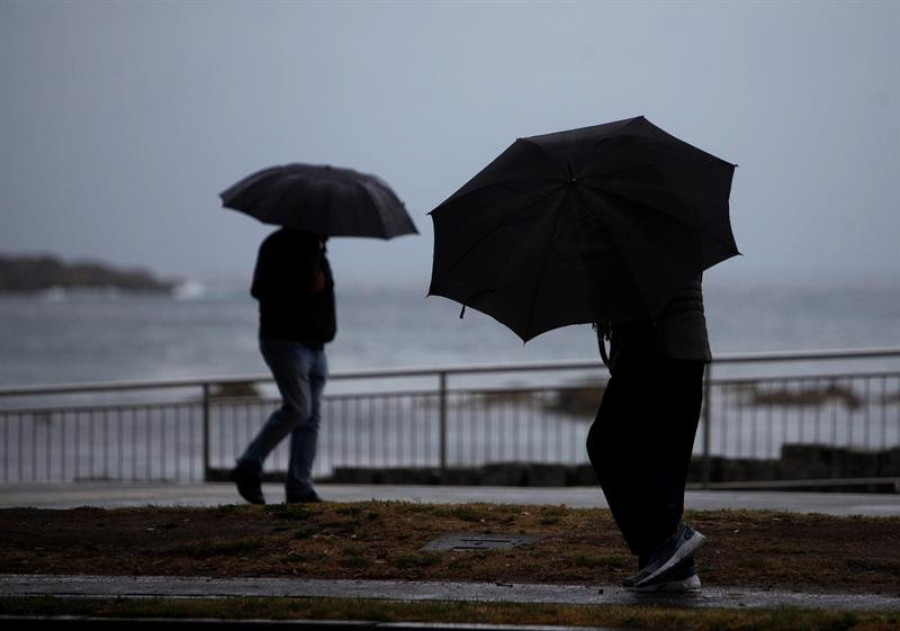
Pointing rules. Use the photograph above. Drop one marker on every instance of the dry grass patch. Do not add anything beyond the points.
(383, 540)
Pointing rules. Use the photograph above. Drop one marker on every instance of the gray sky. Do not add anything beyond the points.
(120, 122)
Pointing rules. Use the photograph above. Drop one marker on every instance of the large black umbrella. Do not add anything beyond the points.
(327, 200)
(591, 224)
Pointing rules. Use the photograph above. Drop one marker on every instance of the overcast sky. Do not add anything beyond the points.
(120, 122)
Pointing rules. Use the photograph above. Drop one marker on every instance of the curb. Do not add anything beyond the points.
(73, 623)
(17, 585)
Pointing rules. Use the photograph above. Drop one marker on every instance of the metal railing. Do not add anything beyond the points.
(774, 424)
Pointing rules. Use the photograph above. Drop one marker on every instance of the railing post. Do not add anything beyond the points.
(707, 429)
(442, 422)
(206, 441)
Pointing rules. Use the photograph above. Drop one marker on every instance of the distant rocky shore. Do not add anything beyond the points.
(29, 274)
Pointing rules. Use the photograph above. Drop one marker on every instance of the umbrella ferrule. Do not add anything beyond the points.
(572, 178)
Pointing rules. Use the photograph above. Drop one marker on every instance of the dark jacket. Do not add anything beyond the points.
(678, 332)
(295, 289)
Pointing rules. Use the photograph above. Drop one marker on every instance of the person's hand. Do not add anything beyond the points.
(317, 283)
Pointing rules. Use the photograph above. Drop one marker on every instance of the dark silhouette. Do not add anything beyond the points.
(601, 223)
(295, 289)
(327, 200)
(641, 441)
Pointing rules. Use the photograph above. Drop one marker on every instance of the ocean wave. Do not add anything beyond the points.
(189, 290)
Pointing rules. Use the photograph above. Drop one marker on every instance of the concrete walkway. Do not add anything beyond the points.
(111, 495)
(413, 591)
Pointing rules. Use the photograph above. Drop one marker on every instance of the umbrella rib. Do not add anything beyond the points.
(284, 193)
(374, 203)
(603, 190)
(669, 142)
(537, 289)
(627, 260)
(509, 182)
(552, 158)
(550, 178)
(491, 233)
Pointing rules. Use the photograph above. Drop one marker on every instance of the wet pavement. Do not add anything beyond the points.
(112, 495)
(413, 591)
(168, 624)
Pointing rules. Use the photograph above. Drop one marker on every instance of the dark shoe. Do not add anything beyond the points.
(249, 484)
(682, 578)
(675, 549)
(310, 497)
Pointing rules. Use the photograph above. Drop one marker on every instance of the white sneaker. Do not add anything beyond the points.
(668, 555)
(689, 584)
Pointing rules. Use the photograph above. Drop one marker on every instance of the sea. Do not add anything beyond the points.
(209, 329)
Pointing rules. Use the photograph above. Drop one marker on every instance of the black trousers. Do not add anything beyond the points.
(640, 446)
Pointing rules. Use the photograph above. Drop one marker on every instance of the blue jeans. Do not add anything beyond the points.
(300, 374)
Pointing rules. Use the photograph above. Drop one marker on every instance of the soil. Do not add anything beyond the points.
(384, 540)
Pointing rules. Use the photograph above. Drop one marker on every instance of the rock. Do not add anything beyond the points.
(28, 274)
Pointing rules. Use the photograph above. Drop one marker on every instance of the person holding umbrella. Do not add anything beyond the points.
(614, 225)
(294, 285)
(641, 441)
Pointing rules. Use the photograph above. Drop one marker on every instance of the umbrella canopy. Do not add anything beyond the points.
(591, 224)
(330, 201)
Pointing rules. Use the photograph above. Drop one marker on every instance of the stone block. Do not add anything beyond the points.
(545, 475)
(505, 474)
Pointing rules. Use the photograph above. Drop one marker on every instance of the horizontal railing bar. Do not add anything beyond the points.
(716, 381)
(393, 373)
(787, 483)
(112, 407)
(273, 400)
(123, 386)
(788, 356)
(394, 394)
(371, 374)
(726, 381)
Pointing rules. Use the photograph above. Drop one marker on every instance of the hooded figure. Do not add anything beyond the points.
(295, 289)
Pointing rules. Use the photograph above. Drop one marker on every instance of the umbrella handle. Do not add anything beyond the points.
(603, 334)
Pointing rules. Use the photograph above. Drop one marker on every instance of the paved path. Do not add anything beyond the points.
(412, 591)
(111, 495)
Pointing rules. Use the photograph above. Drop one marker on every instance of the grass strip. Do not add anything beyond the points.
(650, 617)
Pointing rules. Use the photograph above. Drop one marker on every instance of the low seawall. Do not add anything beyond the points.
(873, 471)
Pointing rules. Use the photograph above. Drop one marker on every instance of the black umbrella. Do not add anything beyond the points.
(591, 224)
(326, 200)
